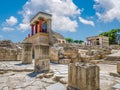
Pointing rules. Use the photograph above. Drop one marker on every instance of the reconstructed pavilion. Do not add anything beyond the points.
(38, 41)
(101, 41)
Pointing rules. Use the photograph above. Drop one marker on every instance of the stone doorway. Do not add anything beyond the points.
(33, 54)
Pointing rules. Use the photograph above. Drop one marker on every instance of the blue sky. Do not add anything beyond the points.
(76, 19)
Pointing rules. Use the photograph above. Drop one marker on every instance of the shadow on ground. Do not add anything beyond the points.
(34, 74)
(21, 64)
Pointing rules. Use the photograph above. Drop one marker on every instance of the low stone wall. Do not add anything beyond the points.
(64, 55)
(112, 58)
(8, 54)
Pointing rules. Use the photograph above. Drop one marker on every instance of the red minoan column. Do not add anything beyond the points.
(28, 35)
(40, 25)
(32, 29)
(36, 28)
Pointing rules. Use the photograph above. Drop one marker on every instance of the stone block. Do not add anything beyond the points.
(83, 76)
(27, 53)
(42, 65)
(64, 61)
(118, 68)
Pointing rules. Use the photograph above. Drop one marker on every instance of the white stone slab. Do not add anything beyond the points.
(117, 86)
(57, 86)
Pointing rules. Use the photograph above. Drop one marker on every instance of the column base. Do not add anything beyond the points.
(71, 88)
(42, 65)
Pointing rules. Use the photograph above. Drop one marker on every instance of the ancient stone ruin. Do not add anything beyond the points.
(83, 76)
(71, 64)
(27, 53)
(9, 51)
(40, 38)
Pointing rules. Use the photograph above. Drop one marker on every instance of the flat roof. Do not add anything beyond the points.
(40, 13)
(96, 37)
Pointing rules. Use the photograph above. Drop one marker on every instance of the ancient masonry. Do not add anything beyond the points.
(101, 41)
(40, 38)
(27, 53)
(83, 76)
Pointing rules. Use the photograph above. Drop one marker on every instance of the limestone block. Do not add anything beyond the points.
(83, 76)
(54, 54)
(19, 57)
(64, 61)
(42, 65)
(27, 53)
(41, 52)
(118, 68)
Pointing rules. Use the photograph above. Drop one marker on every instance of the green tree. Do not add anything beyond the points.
(76, 41)
(80, 41)
(111, 34)
(70, 40)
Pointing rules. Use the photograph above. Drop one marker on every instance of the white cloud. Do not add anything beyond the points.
(1, 37)
(24, 27)
(11, 21)
(64, 23)
(62, 11)
(7, 29)
(87, 22)
(107, 10)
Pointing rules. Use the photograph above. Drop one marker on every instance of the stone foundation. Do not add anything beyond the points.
(112, 58)
(27, 53)
(42, 65)
(83, 76)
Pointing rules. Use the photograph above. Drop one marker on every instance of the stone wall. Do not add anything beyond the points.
(64, 54)
(8, 54)
(83, 76)
(27, 53)
(10, 50)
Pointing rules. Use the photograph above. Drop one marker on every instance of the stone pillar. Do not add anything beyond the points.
(32, 29)
(42, 61)
(118, 67)
(83, 76)
(27, 53)
(40, 24)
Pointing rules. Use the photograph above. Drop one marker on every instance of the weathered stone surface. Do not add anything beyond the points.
(64, 61)
(83, 76)
(113, 57)
(8, 54)
(118, 68)
(42, 61)
(57, 86)
(27, 53)
(54, 54)
(42, 65)
(23, 79)
(64, 54)
(48, 75)
(9, 50)
(117, 86)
